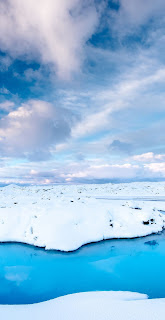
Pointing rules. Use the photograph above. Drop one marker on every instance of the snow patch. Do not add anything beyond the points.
(106, 305)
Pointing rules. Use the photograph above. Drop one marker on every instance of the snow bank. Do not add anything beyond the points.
(91, 306)
(66, 217)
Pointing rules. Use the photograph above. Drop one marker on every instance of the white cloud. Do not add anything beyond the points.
(31, 129)
(6, 105)
(123, 95)
(148, 157)
(51, 31)
(105, 171)
(157, 168)
(134, 14)
(54, 171)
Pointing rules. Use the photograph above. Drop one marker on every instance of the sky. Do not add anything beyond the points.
(82, 96)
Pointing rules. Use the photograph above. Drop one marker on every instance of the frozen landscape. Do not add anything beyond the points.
(65, 217)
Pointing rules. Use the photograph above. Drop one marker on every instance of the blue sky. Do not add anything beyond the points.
(82, 91)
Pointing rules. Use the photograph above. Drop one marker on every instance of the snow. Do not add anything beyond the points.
(91, 306)
(65, 217)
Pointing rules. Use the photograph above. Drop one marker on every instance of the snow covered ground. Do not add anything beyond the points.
(65, 217)
(90, 306)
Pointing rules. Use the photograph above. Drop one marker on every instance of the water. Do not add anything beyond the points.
(29, 274)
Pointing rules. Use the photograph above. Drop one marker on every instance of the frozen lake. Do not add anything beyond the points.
(29, 274)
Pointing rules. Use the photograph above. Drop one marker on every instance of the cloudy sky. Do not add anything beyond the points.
(82, 91)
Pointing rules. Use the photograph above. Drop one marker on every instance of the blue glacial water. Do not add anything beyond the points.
(29, 274)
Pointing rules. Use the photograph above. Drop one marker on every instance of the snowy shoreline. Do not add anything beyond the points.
(66, 217)
(103, 305)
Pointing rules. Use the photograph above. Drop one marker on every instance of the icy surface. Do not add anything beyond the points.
(91, 306)
(66, 217)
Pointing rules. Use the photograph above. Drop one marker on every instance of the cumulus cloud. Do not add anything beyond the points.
(149, 157)
(33, 128)
(51, 31)
(119, 99)
(134, 14)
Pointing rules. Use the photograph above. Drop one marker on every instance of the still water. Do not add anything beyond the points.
(29, 274)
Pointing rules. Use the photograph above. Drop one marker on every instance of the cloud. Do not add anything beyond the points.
(87, 171)
(125, 94)
(52, 32)
(118, 146)
(149, 157)
(148, 137)
(114, 107)
(133, 14)
(6, 106)
(105, 171)
(5, 61)
(4, 91)
(30, 130)
(157, 169)
(80, 156)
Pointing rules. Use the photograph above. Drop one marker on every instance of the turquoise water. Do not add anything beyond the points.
(29, 274)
